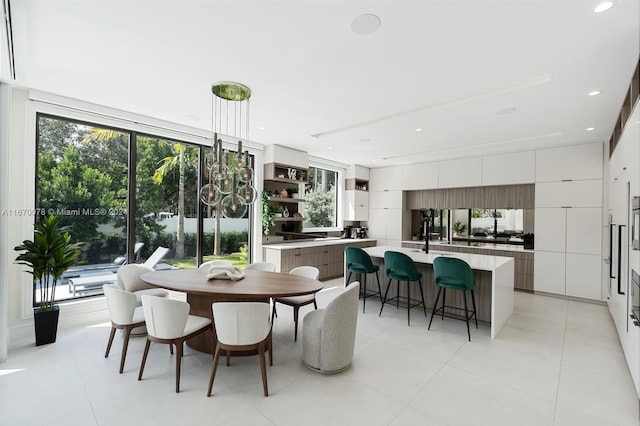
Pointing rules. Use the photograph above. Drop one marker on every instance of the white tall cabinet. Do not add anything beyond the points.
(386, 201)
(356, 194)
(569, 221)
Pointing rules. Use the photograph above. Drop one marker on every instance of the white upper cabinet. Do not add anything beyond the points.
(385, 179)
(357, 172)
(569, 162)
(460, 173)
(509, 169)
(386, 200)
(578, 193)
(420, 176)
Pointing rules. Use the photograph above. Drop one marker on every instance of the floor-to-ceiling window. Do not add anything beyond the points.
(321, 201)
(83, 178)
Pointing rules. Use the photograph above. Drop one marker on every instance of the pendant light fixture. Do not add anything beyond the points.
(230, 188)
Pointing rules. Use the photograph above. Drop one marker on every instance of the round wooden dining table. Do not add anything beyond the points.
(201, 293)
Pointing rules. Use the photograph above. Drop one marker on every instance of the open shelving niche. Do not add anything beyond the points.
(276, 179)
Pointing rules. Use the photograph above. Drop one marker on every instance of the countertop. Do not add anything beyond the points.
(479, 246)
(480, 262)
(320, 242)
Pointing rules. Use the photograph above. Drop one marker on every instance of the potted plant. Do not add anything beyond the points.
(267, 213)
(459, 228)
(49, 255)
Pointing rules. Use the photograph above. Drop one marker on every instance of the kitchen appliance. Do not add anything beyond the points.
(635, 223)
(347, 232)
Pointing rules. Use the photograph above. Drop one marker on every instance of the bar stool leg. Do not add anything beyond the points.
(444, 298)
(424, 305)
(348, 279)
(379, 288)
(364, 292)
(475, 312)
(408, 303)
(433, 311)
(384, 300)
(466, 312)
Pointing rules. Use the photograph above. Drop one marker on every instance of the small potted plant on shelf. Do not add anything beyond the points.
(49, 255)
(278, 211)
(459, 228)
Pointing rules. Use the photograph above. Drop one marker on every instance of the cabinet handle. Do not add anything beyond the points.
(565, 207)
(619, 258)
(566, 180)
(611, 226)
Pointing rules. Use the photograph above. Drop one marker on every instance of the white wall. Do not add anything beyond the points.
(5, 100)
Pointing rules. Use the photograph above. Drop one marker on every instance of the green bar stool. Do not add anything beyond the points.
(398, 266)
(454, 274)
(359, 262)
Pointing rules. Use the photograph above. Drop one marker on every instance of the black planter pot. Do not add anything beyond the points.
(46, 325)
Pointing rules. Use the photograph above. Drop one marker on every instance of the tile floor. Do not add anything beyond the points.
(557, 362)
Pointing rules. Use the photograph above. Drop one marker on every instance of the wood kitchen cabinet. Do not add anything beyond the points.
(327, 256)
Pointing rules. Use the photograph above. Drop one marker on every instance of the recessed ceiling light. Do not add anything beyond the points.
(418, 129)
(588, 129)
(373, 161)
(603, 6)
(261, 128)
(506, 111)
(366, 23)
(594, 93)
(330, 147)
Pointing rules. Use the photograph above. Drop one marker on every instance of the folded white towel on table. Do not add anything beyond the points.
(225, 272)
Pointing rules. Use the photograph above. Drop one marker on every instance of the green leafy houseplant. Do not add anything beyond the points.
(267, 213)
(49, 255)
(459, 227)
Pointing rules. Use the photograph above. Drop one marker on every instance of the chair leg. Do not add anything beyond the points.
(228, 356)
(125, 345)
(263, 369)
(424, 305)
(171, 348)
(398, 295)
(111, 336)
(315, 303)
(216, 358)
(408, 303)
(379, 288)
(475, 312)
(144, 358)
(270, 349)
(386, 292)
(364, 291)
(444, 298)
(295, 322)
(348, 279)
(273, 312)
(433, 311)
(179, 348)
(466, 312)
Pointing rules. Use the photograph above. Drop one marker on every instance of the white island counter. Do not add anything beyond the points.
(494, 277)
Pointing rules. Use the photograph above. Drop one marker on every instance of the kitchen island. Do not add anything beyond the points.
(494, 277)
(522, 257)
(326, 254)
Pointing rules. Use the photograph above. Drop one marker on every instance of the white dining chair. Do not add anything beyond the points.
(242, 326)
(168, 322)
(129, 280)
(296, 302)
(124, 316)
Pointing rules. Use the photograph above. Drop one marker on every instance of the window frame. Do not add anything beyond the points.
(339, 191)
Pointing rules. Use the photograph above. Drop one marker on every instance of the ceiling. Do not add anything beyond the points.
(478, 77)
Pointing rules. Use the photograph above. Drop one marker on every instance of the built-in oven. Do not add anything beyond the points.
(635, 298)
(635, 223)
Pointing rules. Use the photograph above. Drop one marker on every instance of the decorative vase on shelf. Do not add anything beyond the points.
(285, 213)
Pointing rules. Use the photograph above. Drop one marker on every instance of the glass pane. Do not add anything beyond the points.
(224, 238)
(320, 199)
(167, 200)
(82, 179)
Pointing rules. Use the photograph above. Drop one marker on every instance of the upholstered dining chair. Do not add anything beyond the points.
(400, 267)
(242, 326)
(261, 266)
(124, 316)
(359, 262)
(328, 335)
(453, 274)
(296, 302)
(168, 322)
(129, 280)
